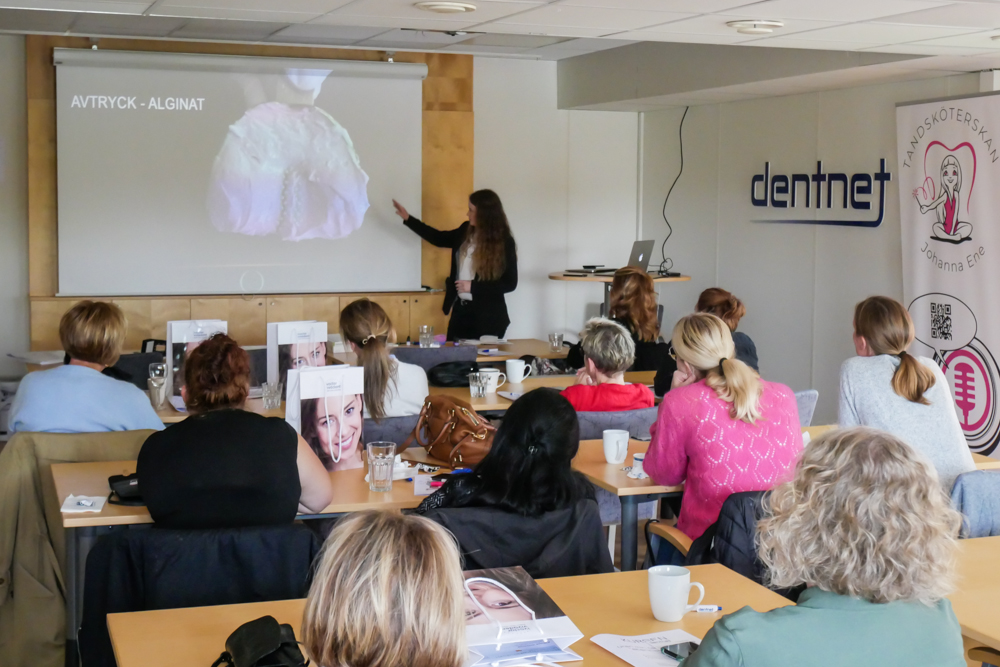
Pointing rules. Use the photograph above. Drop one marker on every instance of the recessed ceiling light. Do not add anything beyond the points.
(445, 7)
(755, 27)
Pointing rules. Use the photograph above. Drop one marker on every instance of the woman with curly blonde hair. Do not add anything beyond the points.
(866, 526)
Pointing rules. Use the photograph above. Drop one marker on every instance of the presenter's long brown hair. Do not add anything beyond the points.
(489, 260)
(367, 325)
(888, 329)
(633, 303)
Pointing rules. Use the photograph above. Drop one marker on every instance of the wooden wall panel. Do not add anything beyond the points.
(447, 181)
(426, 309)
(246, 318)
(147, 318)
(321, 308)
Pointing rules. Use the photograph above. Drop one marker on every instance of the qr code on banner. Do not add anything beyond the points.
(941, 321)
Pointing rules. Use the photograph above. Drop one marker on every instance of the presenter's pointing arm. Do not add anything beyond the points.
(451, 238)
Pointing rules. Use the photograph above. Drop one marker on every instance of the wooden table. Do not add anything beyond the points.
(591, 462)
(350, 494)
(515, 348)
(985, 462)
(168, 415)
(978, 591)
(608, 278)
(616, 603)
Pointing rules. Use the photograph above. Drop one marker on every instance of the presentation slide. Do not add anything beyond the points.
(223, 175)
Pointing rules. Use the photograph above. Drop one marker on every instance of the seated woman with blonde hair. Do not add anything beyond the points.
(721, 429)
(865, 525)
(78, 397)
(886, 387)
(224, 466)
(388, 591)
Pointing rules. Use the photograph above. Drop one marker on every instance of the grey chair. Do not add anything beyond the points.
(390, 429)
(429, 357)
(806, 401)
(976, 495)
(637, 423)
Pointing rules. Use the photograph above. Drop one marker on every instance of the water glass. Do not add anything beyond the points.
(157, 370)
(426, 335)
(381, 458)
(555, 342)
(271, 393)
(478, 383)
(157, 392)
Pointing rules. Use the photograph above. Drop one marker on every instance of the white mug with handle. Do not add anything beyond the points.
(615, 445)
(669, 589)
(493, 381)
(517, 370)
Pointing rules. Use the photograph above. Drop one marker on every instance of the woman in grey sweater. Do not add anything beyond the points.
(887, 388)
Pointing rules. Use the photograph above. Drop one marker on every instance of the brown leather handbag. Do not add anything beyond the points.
(450, 430)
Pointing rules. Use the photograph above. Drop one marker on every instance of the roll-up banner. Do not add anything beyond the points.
(949, 208)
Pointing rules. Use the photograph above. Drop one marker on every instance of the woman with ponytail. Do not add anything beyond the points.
(721, 429)
(392, 388)
(888, 388)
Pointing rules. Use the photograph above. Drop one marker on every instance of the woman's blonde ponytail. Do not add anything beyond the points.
(887, 328)
(367, 325)
(706, 342)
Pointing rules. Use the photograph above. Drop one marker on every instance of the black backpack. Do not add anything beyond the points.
(452, 373)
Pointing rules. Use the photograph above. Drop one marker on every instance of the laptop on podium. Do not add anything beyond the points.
(641, 252)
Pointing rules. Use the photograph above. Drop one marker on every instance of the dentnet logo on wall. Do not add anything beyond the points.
(949, 191)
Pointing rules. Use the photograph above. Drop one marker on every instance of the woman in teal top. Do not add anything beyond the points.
(866, 526)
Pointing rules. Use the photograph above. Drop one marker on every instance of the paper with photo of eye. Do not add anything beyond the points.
(509, 619)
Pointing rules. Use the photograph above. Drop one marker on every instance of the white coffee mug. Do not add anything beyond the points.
(493, 381)
(517, 370)
(669, 589)
(615, 446)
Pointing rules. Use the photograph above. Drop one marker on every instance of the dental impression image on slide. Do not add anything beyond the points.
(287, 167)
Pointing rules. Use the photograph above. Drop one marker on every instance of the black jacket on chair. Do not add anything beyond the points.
(487, 295)
(562, 543)
(155, 568)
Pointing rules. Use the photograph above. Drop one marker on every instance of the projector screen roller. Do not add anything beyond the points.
(183, 174)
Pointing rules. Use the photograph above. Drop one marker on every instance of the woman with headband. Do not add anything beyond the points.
(720, 429)
(888, 388)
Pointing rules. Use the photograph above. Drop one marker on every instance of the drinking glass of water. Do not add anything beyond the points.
(381, 458)
(157, 370)
(271, 393)
(426, 335)
(555, 342)
(478, 383)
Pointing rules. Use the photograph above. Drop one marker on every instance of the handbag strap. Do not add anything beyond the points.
(225, 658)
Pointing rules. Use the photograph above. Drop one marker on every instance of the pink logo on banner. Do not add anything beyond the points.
(945, 198)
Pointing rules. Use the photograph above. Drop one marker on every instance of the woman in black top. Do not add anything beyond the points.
(528, 470)
(483, 266)
(633, 305)
(225, 467)
(730, 310)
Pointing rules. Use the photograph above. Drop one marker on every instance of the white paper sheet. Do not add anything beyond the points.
(644, 650)
(76, 504)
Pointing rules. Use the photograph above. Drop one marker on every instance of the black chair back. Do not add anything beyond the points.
(136, 366)
(429, 357)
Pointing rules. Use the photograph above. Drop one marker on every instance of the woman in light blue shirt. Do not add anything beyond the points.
(77, 398)
(866, 526)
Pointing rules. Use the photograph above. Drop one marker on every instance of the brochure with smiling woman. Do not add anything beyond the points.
(294, 345)
(510, 620)
(325, 405)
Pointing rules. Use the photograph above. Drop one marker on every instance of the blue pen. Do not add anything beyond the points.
(460, 470)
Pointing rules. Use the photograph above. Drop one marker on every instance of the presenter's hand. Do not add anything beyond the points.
(463, 286)
(683, 376)
(400, 210)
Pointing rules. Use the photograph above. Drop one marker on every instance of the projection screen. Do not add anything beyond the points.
(192, 174)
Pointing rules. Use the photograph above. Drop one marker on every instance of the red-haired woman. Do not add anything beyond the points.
(225, 467)
(634, 306)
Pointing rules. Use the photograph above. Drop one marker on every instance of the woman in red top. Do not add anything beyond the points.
(608, 352)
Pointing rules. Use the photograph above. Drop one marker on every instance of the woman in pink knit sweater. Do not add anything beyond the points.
(720, 429)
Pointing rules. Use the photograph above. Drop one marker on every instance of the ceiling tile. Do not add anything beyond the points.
(884, 33)
(231, 14)
(830, 10)
(926, 50)
(250, 31)
(798, 42)
(609, 20)
(21, 20)
(962, 14)
(976, 40)
(682, 6)
(715, 24)
(532, 29)
(294, 6)
(682, 37)
(402, 14)
(103, 6)
(414, 39)
(132, 26)
(518, 41)
(330, 35)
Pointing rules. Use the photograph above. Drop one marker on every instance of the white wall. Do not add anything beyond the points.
(799, 282)
(568, 182)
(13, 206)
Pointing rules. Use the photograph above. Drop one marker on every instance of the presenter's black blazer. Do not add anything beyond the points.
(487, 295)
